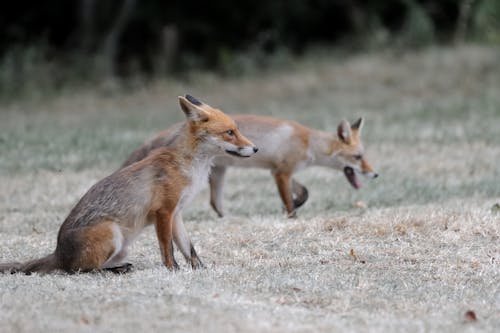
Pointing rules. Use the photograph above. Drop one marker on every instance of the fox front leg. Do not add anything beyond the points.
(216, 181)
(184, 244)
(163, 228)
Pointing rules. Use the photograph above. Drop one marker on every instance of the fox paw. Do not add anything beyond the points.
(122, 269)
(173, 267)
(196, 263)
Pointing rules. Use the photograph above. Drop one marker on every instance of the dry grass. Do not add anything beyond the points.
(423, 252)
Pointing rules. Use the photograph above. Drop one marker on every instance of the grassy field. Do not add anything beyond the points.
(423, 252)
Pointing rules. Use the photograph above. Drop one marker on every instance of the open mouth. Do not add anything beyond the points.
(351, 177)
(234, 153)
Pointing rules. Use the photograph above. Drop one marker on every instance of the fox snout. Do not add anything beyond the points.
(243, 151)
(367, 169)
(242, 147)
(363, 168)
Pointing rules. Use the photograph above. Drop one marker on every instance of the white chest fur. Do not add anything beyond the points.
(307, 162)
(198, 173)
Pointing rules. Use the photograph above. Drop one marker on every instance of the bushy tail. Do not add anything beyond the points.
(42, 265)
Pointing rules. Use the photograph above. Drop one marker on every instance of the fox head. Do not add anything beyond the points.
(347, 153)
(214, 129)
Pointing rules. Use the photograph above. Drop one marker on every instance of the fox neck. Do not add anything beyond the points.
(192, 148)
(196, 156)
(197, 173)
(323, 146)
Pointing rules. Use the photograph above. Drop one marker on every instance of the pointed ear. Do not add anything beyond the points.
(344, 132)
(358, 125)
(192, 109)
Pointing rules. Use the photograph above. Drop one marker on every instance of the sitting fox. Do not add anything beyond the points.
(285, 148)
(154, 190)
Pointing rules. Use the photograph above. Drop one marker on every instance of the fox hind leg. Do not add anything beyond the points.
(284, 187)
(91, 248)
(116, 263)
(300, 194)
(121, 269)
(216, 181)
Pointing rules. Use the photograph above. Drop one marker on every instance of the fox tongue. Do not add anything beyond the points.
(351, 177)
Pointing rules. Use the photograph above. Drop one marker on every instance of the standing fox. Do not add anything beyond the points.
(285, 148)
(152, 191)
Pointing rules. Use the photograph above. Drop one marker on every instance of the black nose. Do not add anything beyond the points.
(255, 149)
(375, 175)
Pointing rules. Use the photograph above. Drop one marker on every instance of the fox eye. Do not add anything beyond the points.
(358, 157)
(230, 133)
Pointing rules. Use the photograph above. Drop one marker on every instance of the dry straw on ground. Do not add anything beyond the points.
(416, 250)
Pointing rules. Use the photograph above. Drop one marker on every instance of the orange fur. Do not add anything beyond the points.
(153, 190)
(285, 148)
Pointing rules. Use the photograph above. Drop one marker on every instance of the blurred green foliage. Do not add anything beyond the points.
(487, 21)
(418, 29)
(51, 45)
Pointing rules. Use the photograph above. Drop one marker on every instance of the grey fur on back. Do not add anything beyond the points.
(160, 141)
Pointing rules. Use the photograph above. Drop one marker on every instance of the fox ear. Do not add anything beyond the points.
(344, 132)
(192, 108)
(358, 125)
